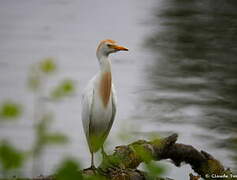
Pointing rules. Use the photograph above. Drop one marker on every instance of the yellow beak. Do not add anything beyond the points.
(120, 48)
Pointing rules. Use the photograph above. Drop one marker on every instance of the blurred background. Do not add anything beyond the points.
(180, 75)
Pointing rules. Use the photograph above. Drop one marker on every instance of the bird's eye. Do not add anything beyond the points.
(109, 45)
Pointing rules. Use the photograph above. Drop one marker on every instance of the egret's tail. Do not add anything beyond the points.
(95, 142)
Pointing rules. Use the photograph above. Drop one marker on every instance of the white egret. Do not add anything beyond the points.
(99, 100)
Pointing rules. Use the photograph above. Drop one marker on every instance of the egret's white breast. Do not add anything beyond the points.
(102, 106)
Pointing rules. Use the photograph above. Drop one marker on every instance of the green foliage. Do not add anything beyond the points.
(69, 169)
(44, 137)
(47, 66)
(55, 138)
(154, 170)
(143, 153)
(10, 110)
(65, 88)
(34, 81)
(110, 161)
(10, 157)
(94, 177)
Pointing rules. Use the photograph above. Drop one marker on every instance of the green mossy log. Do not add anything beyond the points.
(123, 163)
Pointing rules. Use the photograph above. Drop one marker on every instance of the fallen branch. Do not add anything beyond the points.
(123, 163)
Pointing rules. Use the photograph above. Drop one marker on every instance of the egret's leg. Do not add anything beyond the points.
(103, 152)
(92, 161)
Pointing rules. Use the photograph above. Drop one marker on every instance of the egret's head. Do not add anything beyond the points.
(109, 46)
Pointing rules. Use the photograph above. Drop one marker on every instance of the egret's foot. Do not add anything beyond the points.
(90, 170)
(92, 167)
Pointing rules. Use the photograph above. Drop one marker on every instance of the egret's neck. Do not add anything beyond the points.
(105, 65)
(105, 83)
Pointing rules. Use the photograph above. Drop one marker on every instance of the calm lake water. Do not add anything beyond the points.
(179, 75)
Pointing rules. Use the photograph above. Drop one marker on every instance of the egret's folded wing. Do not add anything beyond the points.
(114, 104)
(114, 109)
(87, 100)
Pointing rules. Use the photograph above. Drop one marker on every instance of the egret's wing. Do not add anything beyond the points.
(114, 109)
(114, 106)
(87, 101)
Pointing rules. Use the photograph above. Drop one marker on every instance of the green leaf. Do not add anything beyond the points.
(94, 177)
(34, 82)
(43, 124)
(44, 137)
(55, 138)
(47, 66)
(10, 110)
(144, 154)
(154, 170)
(69, 169)
(10, 157)
(41, 129)
(65, 88)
